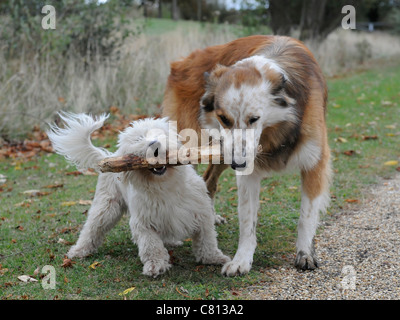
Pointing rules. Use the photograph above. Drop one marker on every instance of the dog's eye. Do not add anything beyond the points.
(224, 120)
(281, 101)
(253, 119)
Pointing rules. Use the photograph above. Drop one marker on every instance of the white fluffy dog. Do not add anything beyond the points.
(166, 205)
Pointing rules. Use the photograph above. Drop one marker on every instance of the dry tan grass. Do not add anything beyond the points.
(344, 50)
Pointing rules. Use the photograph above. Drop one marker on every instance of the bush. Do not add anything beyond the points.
(84, 26)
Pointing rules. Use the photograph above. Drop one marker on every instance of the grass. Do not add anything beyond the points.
(361, 106)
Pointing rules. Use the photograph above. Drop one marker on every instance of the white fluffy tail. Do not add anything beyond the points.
(73, 141)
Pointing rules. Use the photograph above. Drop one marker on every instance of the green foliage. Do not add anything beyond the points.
(394, 19)
(84, 26)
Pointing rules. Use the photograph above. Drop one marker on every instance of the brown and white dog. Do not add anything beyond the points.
(273, 85)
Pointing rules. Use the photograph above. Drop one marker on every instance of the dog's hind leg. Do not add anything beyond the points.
(211, 176)
(205, 244)
(106, 210)
(314, 199)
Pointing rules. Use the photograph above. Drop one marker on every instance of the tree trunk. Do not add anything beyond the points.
(199, 10)
(174, 9)
(159, 9)
(280, 20)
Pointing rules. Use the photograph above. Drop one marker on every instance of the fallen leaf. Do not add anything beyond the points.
(349, 153)
(25, 278)
(67, 263)
(391, 163)
(352, 200)
(182, 294)
(54, 186)
(36, 193)
(398, 169)
(73, 173)
(125, 292)
(94, 265)
(390, 126)
(62, 241)
(68, 203)
(374, 137)
(341, 140)
(85, 202)
(36, 272)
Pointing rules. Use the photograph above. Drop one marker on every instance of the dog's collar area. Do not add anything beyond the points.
(159, 171)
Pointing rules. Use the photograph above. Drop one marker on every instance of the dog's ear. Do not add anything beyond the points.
(211, 82)
(278, 84)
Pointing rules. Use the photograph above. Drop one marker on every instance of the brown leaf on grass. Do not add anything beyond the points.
(373, 137)
(54, 186)
(349, 153)
(67, 263)
(398, 169)
(36, 193)
(73, 173)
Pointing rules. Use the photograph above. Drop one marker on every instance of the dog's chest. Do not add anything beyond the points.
(169, 215)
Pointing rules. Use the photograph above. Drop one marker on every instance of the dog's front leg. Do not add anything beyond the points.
(152, 253)
(248, 203)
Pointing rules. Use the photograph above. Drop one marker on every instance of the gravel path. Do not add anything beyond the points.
(360, 255)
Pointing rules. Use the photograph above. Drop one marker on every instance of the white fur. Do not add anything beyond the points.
(163, 209)
(308, 223)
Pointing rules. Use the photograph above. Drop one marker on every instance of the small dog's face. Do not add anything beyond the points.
(248, 95)
(149, 139)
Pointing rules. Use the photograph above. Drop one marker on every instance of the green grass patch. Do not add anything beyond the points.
(36, 230)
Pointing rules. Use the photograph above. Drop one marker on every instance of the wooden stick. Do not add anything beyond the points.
(187, 156)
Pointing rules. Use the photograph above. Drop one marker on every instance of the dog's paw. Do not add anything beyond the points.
(218, 258)
(306, 261)
(236, 268)
(154, 268)
(219, 219)
(79, 252)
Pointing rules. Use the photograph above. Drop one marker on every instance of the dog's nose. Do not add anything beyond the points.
(154, 146)
(235, 165)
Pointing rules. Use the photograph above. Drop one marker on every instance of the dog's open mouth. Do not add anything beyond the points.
(159, 171)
